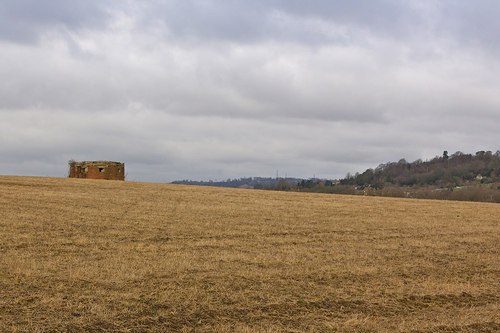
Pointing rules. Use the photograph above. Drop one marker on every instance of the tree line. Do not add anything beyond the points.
(457, 176)
(454, 170)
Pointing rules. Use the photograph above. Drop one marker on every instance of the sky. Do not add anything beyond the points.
(217, 89)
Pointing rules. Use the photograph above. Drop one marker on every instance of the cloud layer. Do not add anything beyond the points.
(211, 90)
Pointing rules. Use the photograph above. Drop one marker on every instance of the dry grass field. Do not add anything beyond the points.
(104, 256)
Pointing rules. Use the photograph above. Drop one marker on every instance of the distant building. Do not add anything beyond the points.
(97, 170)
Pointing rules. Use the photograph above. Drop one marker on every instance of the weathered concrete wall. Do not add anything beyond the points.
(97, 170)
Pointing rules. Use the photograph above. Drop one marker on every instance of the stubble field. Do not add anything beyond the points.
(104, 256)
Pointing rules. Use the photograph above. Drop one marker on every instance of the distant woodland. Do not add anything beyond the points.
(456, 170)
(458, 176)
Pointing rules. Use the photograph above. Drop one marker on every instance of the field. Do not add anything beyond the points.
(105, 256)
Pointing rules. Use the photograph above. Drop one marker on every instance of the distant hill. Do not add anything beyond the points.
(248, 182)
(470, 177)
(454, 170)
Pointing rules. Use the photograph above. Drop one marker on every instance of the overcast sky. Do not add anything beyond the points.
(216, 89)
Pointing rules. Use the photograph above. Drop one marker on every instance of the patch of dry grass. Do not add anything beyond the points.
(83, 255)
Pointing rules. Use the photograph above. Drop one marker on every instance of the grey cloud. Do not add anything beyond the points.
(321, 22)
(212, 89)
(473, 23)
(167, 147)
(25, 20)
(265, 82)
(251, 21)
(312, 22)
